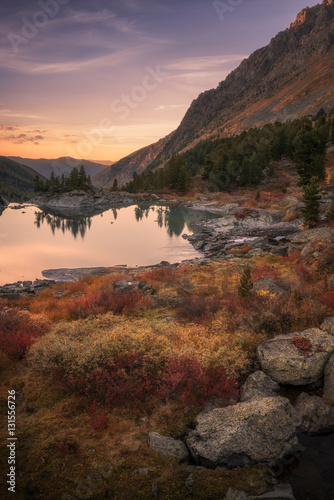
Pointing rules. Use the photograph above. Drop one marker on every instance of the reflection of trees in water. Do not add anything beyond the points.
(76, 225)
(172, 218)
(142, 211)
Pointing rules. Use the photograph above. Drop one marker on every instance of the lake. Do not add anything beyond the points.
(32, 239)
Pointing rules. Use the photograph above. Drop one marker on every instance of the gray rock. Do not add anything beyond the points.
(128, 286)
(328, 326)
(330, 283)
(235, 495)
(3, 202)
(304, 238)
(281, 492)
(316, 417)
(257, 431)
(168, 446)
(329, 379)
(286, 364)
(269, 285)
(257, 386)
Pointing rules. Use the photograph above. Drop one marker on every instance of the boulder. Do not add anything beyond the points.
(3, 202)
(235, 495)
(269, 285)
(281, 492)
(316, 417)
(168, 446)
(298, 358)
(257, 386)
(329, 379)
(328, 326)
(262, 430)
(304, 238)
(128, 286)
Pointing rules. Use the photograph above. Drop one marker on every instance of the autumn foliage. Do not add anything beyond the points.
(18, 331)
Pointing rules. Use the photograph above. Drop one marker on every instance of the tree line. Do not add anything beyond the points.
(77, 180)
(246, 159)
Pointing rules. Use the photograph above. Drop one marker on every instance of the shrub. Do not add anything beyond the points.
(99, 419)
(303, 344)
(18, 331)
(187, 381)
(161, 274)
(199, 306)
(106, 300)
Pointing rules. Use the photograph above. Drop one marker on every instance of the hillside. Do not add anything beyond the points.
(16, 180)
(289, 78)
(136, 162)
(60, 166)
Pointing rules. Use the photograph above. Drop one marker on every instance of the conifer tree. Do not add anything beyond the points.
(311, 199)
(246, 284)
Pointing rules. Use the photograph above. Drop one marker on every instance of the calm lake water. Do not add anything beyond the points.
(32, 240)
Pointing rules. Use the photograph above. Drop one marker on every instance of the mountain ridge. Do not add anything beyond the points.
(290, 77)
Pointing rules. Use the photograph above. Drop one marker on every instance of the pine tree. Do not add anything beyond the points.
(246, 284)
(115, 185)
(311, 199)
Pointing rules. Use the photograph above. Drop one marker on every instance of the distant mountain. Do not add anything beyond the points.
(291, 77)
(123, 170)
(16, 180)
(60, 166)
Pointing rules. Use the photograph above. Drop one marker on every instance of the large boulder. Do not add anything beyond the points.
(257, 386)
(168, 446)
(328, 326)
(129, 286)
(329, 380)
(298, 358)
(269, 285)
(301, 240)
(315, 416)
(262, 430)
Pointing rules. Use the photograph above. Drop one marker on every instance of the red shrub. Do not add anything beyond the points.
(303, 344)
(18, 330)
(264, 272)
(328, 300)
(106, 300)
(302, 271)
(130, 377)
(199, 307)
(99, 417)
(160, 274)
(185, 380)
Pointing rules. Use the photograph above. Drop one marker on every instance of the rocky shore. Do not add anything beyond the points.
(96, 198)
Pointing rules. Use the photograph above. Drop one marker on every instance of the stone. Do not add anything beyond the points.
(128, 286)
(330, 283)
(269, 285)
(3, 202)
(316, 417)
(328, 326)
(262, 430)
(258, 385)
(282, 492)
(329, 380)
(235, 495)
(304, 238)
(168, 446)
(287, 364)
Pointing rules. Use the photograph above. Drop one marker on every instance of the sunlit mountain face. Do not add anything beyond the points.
(99, 80)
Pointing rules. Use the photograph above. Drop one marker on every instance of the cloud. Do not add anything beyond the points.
(168, 107)
(3, 127)
(13, 114)
(23, 138)
(204, 63)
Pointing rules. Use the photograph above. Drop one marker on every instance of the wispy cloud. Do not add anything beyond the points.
(168, 107)
(204, 63)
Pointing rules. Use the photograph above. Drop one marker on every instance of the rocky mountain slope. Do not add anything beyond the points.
(136, 162)
(60, 166)
(291, 77)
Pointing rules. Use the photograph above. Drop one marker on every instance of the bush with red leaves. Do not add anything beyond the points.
(187, 381)
(18, 330)
(303, 344)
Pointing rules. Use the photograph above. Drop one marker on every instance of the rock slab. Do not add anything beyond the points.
(257, 431)
(287, 364)
(168, 446)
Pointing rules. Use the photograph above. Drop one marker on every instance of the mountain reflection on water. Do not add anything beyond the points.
(174, 219)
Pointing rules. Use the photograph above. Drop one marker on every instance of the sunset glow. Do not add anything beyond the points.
(100, 80)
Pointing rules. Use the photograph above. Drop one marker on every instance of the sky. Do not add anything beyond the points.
(101, 79)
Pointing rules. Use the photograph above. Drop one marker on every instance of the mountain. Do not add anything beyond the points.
(291, 77)
(16, 180)
(60, 166)
(136, 162)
